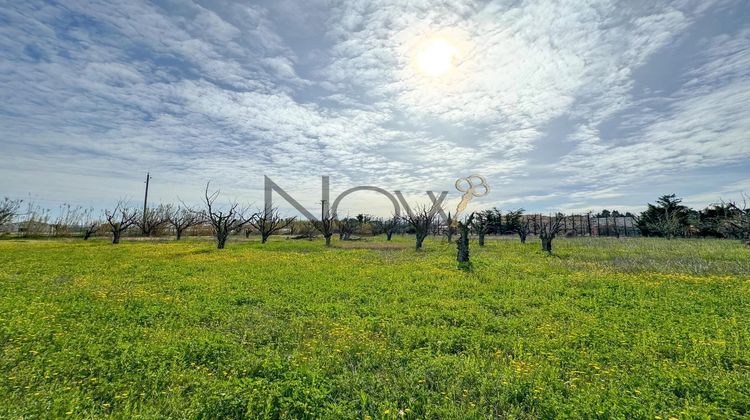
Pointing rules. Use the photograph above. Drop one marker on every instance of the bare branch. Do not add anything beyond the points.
(269, 222)
(224, 222)
(153, 219)
(120, 219)
(8, 210)
(548, 228)
(182, 218)
(422, 218)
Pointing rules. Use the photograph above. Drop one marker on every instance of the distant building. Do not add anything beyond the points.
(9, 228)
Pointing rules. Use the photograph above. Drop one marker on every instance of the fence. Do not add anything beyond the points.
(588, 225)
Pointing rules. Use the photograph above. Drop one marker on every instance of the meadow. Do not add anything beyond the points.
(604, 328)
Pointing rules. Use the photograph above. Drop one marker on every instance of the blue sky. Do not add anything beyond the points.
(566, 105)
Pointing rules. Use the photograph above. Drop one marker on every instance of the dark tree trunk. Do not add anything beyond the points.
(462, 245)
(116, 237)
(221, 240)
(264, 237)
(388, 236)
(420, 240)
(481, 238)
(328, 240)
(547, 244)
(462, 256)
(86, 235)
(522, 235)
(178, 234)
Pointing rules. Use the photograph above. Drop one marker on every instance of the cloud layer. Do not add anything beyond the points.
(561, 105)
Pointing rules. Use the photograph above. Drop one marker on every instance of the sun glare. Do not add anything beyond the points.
(437, 57)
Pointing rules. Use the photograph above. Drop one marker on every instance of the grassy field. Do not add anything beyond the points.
(631, 328)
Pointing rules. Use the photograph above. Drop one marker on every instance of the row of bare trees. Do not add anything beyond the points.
(232, 218)
(223, 220)
(667, 218)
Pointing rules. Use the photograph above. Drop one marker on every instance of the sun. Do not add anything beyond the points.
(437, 57)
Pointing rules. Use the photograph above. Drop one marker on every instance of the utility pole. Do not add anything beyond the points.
(145, 201)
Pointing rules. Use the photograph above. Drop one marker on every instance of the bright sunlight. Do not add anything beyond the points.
(437, 57)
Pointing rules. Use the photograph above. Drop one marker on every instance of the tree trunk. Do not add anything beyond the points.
(86, 235)
(388, 236)
(547, 244)
(116, 237)
(462, 255)
(264, 237)
(178, 234)
(522, 235)
(420, 239)
(328, 240)
(481, 238)
(221, 240)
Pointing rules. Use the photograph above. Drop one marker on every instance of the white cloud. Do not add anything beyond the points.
(704, 124)
(96, 93)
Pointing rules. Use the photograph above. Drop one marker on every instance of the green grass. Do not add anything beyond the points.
(632, 328)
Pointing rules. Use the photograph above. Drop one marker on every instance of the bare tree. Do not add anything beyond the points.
(8, 210)
(462, 244)
(548, 230)
(292, 226)
(347, 227)
(390, 226)
(90, 229)
(153, 219)
(182, 218)
(481, 223)
(268, 222)
(224, 222)
(421, 219)
(120, 219)
(375, 226)
(303, 229)
(516, 222)
(326, 224)
(436, 228)
(89, 224)
(450, 228)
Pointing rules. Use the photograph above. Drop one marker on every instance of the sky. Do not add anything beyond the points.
(561, 105)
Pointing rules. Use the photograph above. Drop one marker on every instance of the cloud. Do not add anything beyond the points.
(703, 124)
(547, 101)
